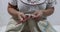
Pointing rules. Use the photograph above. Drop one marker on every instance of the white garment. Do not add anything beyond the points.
(26, 8)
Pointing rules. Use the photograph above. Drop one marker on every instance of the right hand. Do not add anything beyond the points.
(21, 17)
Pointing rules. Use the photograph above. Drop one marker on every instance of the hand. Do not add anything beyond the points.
(37, 15)
(21, 17)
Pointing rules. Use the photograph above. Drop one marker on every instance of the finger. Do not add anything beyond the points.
(38, 15)
(35, 13)
(26, 19)
(23, 15)
(20, 18)
(33, 16)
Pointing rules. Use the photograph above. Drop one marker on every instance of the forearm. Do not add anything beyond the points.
(48, 11)
(12, 10)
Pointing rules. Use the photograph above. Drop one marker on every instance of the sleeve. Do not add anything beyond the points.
(51, 3)
(13, 2)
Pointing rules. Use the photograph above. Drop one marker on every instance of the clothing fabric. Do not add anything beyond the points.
(43, 25)
(28, 8)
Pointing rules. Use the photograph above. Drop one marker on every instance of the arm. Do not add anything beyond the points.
(39, 14)
(50, 7)
(12, 10)
(48, 11)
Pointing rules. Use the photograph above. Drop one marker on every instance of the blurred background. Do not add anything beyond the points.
(4, 16)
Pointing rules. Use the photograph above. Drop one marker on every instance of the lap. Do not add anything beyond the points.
(43, 25)
(13, 26)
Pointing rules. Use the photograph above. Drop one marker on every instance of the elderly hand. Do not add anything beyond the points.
(22, 17)
(37, 15)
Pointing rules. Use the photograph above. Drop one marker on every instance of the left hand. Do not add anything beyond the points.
(37, 15)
